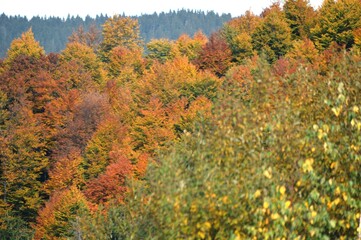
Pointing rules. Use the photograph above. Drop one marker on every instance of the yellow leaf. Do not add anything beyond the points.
(275, 216)
(353, 122)
(307, 165)
(319, 134)
(326, 128)
(238, 237)
(282, 190)
(287, 204)
(176, 205)
(207, 225)
(337, 111)
(333, 165)
(355, 109)
(257, 194)
(330, 181)
(201, 234)
(225, 199)
(265, 205)
(344, 196)
(268, 173)
(193, 208)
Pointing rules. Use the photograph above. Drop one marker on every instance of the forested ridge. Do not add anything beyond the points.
(53, 32)
(252, 132)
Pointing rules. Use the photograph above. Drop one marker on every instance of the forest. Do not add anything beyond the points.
(252, 132)
(53, 32)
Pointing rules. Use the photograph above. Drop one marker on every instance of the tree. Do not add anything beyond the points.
(108, 136)
(276, 166)
(26, 134)
(273, 36)
(189, 47)
(81, 123)
(215, 56)
(125, 65)
(92, 38)
(24, 162)
(119, 32)
(60, 213)
(300, 16)
(238, 34)
(161, 50)
(357, 36)
(83, 68)
(153, 129)
(303, 51)
(110, 185)
(64, 173)
(336, 22)
(25, 45)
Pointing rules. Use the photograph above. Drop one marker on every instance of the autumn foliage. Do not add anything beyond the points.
(252, 133)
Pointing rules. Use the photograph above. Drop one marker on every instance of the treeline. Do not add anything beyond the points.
(250, 133)
(53, 32)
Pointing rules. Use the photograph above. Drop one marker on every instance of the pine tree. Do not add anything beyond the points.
(273, 36)
(300, 16)
(336, 22)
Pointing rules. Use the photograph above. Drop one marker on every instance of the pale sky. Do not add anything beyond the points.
(62, 8)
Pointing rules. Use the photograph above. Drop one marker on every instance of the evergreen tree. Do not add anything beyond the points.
(273, 36)
(336, 22)
(300, 16)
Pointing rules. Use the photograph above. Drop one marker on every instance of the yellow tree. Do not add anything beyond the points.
(189, 47)
(25, 45)
(82, 67)
(125, 65)
(119, 32)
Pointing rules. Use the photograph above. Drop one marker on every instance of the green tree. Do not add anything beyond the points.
(336, 22)
(238, 34)
(161, 50)
(300, 16)
(273, 36)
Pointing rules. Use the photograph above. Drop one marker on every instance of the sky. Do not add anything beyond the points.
(61, 8)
